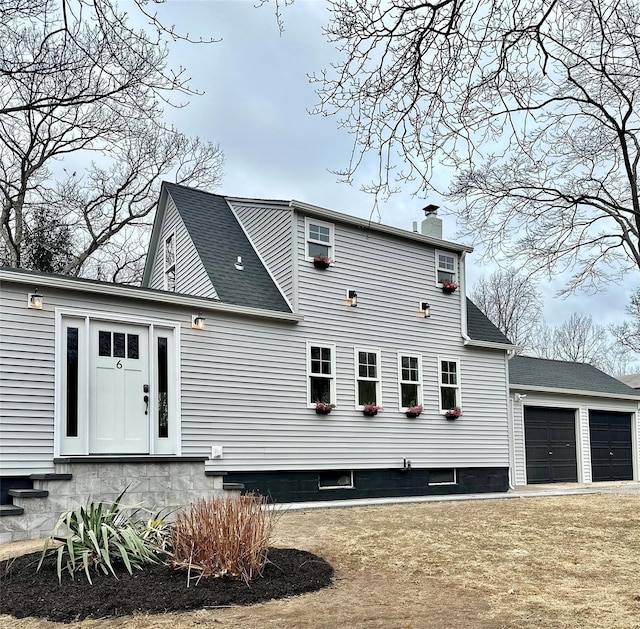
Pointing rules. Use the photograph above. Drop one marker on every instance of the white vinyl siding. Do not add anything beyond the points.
(191, 276)
(244, 380)
(26, 383)
(367, 370)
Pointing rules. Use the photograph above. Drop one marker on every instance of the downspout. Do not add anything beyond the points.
(463, 299)
(510, 353)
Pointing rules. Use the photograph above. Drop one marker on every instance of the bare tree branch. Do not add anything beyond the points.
(512, 302)
(534, 104)
(83, 149)
(579, 339)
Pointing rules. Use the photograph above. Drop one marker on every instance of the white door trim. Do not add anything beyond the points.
(84, 316)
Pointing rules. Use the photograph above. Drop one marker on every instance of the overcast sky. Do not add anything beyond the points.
(256, 106)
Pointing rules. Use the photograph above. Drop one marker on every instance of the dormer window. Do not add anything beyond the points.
(170, 263)
(446, 267)
(319, 239)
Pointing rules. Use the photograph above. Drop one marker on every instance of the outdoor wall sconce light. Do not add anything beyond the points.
(352, 297)
(197, 321)
(238, 264)
(35, 300)
(425, 309)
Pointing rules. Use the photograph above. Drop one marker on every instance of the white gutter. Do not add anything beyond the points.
(510, 425)
(143, 294)
(511, 349)
(615, 396)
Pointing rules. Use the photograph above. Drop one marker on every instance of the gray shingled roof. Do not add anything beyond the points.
(479, 328)
(219, 239)
(558, 374)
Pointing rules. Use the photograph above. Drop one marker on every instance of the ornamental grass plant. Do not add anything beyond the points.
(102, 534)
(223, 537)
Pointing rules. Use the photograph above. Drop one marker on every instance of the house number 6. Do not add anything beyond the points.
(119, 365)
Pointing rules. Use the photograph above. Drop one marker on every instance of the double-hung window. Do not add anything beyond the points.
(449, 371)
(319, 239)
(170, 263)
(367, 363)
(321, 373)
(446, 267)
(410, 380)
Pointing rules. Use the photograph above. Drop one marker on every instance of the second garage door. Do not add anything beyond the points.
(611, 449)
(550, 443)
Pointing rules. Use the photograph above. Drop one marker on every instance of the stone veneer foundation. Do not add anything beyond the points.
(152, 484)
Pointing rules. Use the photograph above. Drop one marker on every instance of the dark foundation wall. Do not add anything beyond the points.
(294, 486)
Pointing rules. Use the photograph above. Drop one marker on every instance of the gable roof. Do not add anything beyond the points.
(219, 240)
(480, 328)
(541, 373)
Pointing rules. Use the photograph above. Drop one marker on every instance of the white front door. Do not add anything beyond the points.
(119, 395)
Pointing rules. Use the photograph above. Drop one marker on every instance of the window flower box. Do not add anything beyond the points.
(414, 411)
(370, 410)
(324, 409)
(448, 287)
(453, 413)
(321, 262)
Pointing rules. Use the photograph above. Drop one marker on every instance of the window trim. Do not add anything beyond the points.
(170, 267)
(420, 399)
(331, 378)
(321, 487)
(438, 268)
(357, 377)
(451, 482)
(307, 239)
(457, 387)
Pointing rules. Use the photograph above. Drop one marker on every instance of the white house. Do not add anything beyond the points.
(205, 379)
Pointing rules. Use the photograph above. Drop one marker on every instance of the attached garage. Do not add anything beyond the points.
(570, 422)
(611, 446)
(550, 439)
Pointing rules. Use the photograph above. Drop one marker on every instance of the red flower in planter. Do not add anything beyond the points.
(414, 411)
(448, 286)
(321, 262)
(324, 409)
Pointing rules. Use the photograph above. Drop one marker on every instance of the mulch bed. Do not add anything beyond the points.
(156, 589)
